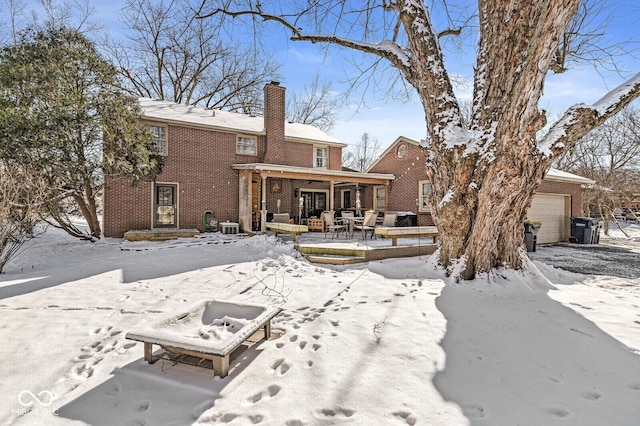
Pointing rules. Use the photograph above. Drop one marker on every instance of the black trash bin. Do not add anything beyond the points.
(585, 230)
(406, 219)
(531, 229)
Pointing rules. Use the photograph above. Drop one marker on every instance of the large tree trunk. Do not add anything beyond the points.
(483, 176)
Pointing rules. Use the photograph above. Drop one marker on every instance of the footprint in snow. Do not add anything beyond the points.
(474, 411)
(281, 366)
(409, 418)
(591, 395)
(270, 392)
(557, 412)
(634, 386)
(337, 412)
(142, 406)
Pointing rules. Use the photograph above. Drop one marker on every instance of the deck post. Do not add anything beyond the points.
(267, 330)
(220, 365)
(148, 353)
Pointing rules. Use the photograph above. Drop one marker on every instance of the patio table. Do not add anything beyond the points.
(351, 221)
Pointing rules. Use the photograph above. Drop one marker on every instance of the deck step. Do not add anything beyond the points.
(162, 238)
(335, 259)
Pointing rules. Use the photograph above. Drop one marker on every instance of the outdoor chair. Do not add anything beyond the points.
(331, 226)
(368, 224)
(389, 219)
(281, 218)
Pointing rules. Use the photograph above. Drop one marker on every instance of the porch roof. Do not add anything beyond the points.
(311, 173)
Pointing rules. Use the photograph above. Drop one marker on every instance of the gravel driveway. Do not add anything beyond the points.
(591, 259)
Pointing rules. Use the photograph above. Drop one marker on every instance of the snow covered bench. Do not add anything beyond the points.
(407, 232)
(210, 330)
(287, 228)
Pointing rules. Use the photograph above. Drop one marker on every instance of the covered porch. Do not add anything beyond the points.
(303, 192)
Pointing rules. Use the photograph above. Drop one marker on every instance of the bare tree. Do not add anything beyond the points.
(316, 106)
(362, 155)
(21, 197)
(18, 15)
(172, 56)
(582, 41)
(483, 177)
(610, 155)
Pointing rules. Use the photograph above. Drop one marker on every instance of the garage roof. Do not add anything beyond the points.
(560, 176)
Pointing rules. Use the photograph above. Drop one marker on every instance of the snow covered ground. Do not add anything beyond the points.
(384, 343)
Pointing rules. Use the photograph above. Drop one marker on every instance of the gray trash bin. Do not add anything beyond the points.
(531, 229)
(585, 230)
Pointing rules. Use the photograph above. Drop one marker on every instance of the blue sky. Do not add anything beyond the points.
(388, 120)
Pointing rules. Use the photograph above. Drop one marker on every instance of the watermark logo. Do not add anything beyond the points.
(35, 404)
(27, 398)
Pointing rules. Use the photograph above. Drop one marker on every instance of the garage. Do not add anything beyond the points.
(553, 211)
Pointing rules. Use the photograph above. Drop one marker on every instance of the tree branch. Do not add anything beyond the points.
(386, 48)
(580, 119)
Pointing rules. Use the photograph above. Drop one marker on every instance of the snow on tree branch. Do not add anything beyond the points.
(386, 48)
(580, 119)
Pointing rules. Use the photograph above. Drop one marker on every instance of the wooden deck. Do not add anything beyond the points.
(287, 228)
(159, 234)
(407, 232)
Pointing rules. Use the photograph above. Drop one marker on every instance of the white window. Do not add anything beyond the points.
(424, 190)
(320, 156)
(380, 198)
(159, 142)
(246, 145)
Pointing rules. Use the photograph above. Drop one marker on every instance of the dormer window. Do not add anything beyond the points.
(320, 156)
(246, 145)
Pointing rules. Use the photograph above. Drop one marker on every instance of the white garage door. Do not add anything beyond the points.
(552, 210)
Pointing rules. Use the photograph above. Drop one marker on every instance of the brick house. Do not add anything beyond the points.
(558, 198)
(242, 168)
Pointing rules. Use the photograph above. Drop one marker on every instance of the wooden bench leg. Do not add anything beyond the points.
(220, 365)
(267, 330)
(148, 353)
(394, 241)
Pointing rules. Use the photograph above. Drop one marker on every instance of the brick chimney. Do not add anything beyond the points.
(274, 123)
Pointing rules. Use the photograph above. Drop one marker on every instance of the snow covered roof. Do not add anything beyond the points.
(172, 112)
(560, 176)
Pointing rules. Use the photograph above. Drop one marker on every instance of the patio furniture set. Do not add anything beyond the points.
(348, 224)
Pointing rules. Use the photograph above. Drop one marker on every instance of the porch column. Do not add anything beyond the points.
(386, 196)
(244, 200)
(331, 196)
(263, 204)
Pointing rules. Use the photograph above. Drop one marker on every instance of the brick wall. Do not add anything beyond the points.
(335, 158)
(126, 206)
(572, 189)
(199, 161)
(408, 171)
(300, 154)
(274, 119)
